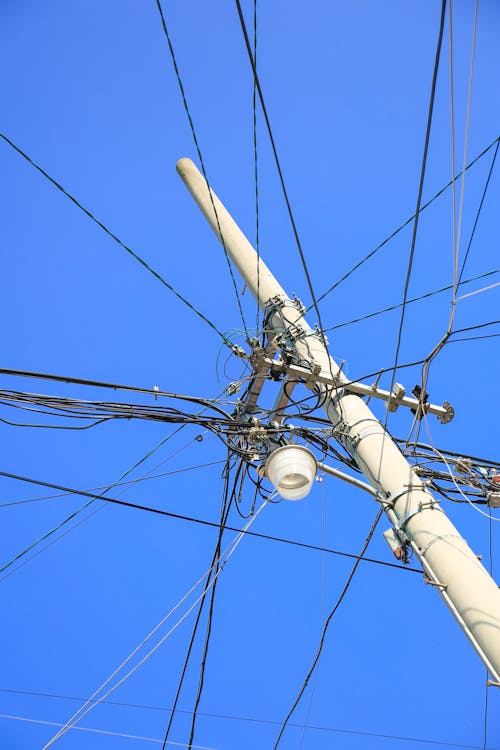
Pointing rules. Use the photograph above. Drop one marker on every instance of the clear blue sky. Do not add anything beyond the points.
(89, 92)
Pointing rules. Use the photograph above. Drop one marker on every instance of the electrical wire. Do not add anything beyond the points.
(105, 732)
(326, 626)
(420, 189)
(224, 513)
(357, 732)
(118, 484)
(405, 223)
(409, 301)
(78, 511)
(114, 237)
(202, 163)
(84, 710)
(211, 524)
(278, 167)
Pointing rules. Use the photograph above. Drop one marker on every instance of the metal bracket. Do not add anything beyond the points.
(442, 586)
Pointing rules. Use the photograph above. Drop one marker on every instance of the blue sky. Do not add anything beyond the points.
(89, 92)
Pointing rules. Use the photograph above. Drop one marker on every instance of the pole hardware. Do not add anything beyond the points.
(442, 586)
(470, 593)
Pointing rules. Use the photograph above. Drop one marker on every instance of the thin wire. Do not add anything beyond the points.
(103, 731)
(84, 710)
(326, 625)
(405, 223)
(410, 301)
(255, 161)
(248, 719)
(315, 679)
(476, 220)
(478, 291)
(443, 341)
(278, 167)
(118, 484)
(114, 237)
(77, 512)
(486, 692)
(420, 189)
(198, 151)
(212, 524)
(225, 508)
(452, 127)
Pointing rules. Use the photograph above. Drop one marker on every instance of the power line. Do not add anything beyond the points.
(278, 167)
(225, 508)
(102, 731)
(117, 484)
(327, 624)
(478, 213)
(405, 223)
(93, 497)
(198, 151)
(114, 237)
(248, 719)
(203, 522)
(420, 189)
(410, 301)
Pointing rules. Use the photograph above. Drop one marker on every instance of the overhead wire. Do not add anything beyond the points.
(279, 170)
(224, 514)
(203, 522)
(105, 732)
(338, 730)
(79, 511)
(420, 189)
(134, 482)
(114, 237)
(326, 626)
(200, 157)
(456, 230)
(408, 221)
(84, 710)
(256, 161)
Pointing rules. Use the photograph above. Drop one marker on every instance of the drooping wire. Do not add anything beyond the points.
(114, 237)
(202, 162)
(326, 626)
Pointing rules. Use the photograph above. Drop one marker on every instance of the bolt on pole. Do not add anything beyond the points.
(448, 562)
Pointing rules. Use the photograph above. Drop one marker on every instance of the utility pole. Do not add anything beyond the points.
(449, 564)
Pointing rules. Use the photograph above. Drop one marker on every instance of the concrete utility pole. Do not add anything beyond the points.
(448, 562)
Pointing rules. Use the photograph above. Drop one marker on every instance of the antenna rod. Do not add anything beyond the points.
(449, 564)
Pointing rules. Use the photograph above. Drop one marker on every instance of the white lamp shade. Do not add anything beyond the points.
(291, 469)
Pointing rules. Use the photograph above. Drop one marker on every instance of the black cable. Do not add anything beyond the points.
(409, 301)
(114, 237)
(202, 522)
(326, 625)
(485, 190)
(475, 327)
(420, 189)
(202, 163)
(278, 167)
(225, 508)
(405, 224)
